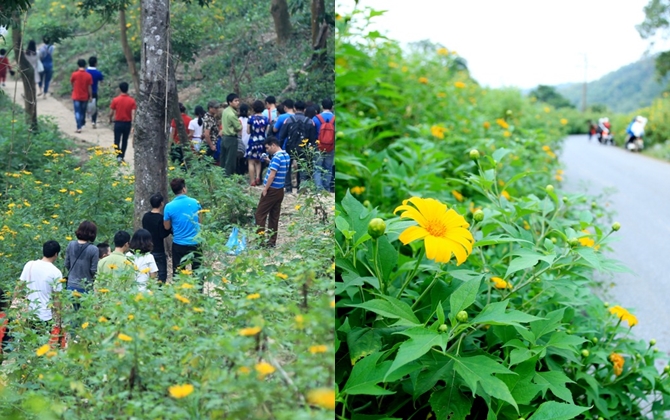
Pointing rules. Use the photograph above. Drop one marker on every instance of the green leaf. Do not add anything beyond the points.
(421, 340)
(551, 322)
(450, 403)
(479, 370)
(359, 216)
(494, 314)
(465, 275)
(552, 410)
(440, 313)
(527, 259)
(555, 381)
(500, 153)
(563, 340)
(364, 377)
(463, 297)
(388, 257)
(390, 308)
(591, 257)
(498, 239)
(586, 216)
(362, 342)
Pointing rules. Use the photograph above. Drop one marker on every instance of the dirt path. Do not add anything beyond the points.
(64, 117)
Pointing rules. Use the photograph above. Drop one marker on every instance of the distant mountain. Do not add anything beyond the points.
(624, 90)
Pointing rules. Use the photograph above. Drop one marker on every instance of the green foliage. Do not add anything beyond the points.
(549, 95)
(127, 349)
(403, 346)
(220, 47)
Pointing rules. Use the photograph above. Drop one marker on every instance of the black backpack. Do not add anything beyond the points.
(298, 131)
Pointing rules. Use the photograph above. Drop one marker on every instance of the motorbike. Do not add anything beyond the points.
(606, 137)
(635, 144)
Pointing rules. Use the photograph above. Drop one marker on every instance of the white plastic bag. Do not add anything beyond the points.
(92, 107)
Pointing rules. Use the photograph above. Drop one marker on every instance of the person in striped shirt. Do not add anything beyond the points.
(269, 205)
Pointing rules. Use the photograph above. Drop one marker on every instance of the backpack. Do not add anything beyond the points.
(298, 131)
(326, 134)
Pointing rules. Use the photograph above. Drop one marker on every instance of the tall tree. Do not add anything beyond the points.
(657, 19)
(318, 18)
(282, 20)
(150, 140)
(25, 70)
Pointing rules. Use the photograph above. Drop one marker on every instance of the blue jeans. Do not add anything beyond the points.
(323, 169)
(80, 290)
(46, 78)
(80, 113)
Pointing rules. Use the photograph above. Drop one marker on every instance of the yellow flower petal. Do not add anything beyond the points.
(180, 391)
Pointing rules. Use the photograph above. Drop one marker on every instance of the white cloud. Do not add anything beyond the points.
(522, 43)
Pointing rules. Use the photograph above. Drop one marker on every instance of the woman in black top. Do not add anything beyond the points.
(153, 222)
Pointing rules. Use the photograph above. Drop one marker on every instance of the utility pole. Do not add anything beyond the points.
(584, 86)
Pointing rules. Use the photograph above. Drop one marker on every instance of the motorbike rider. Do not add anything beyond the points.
(636, 132)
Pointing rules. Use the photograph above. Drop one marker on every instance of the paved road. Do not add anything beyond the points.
(641, 202)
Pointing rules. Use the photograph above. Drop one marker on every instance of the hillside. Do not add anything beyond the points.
(624, 90)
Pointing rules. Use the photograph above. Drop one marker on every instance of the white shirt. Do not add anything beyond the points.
(245, 136)
(197, 133)
(43, 279)
(143, 262)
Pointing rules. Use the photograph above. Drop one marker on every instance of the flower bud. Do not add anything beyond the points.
(474, 154)
(565, 200)
(339, 134)
(462, 316)
(549, 188)
(509, 112)
(655, 349)
(553, 240)
(361, 113)
(478, 216)
(585, 353)
(616, 226)
(443, 328)
(376, 227)
(594, 205)
(573, 241)
(666, 369)
(367, 203)
(606, 304)
(594, 340)
(652, 342)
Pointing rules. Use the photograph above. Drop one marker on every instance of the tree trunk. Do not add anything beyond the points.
(152, 123)
(279, 11)
(26, 71)
(130, 59)
(318, 12)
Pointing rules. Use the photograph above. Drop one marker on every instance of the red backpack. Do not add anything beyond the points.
(326, 134)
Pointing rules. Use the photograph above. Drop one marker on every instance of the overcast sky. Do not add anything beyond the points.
(523, 43)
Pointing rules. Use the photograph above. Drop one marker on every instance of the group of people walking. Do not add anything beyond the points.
(234, 134)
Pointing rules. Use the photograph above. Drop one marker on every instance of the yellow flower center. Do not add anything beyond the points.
(436, 228)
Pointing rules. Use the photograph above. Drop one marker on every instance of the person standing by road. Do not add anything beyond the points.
(269, 205)
(122, 114)
(97, 78)
(323, 166)
(231, 128)
(82, 90)
(182, 216)
(46, 56)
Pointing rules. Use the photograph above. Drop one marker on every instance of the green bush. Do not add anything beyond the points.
(484, 310)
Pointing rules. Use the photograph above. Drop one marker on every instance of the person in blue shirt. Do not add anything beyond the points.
(324, 166)
(288, 111)
(269, 205)
(97, 78)
(183, 216)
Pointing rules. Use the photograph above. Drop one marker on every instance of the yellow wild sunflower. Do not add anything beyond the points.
(444, 231)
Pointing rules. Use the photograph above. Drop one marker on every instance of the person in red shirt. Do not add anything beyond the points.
(4, 66)
(177, 151)
(82, 83)
(122, 114)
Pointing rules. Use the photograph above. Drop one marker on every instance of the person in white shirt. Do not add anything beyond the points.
(141, 245)
(42, 278)
(195, 128)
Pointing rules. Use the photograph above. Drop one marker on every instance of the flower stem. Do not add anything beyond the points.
(411, 275)
(426, 290)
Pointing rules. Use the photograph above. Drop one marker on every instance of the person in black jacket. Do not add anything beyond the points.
(153, 222)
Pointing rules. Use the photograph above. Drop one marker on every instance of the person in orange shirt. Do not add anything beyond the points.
(82, 91)
(122, 113)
